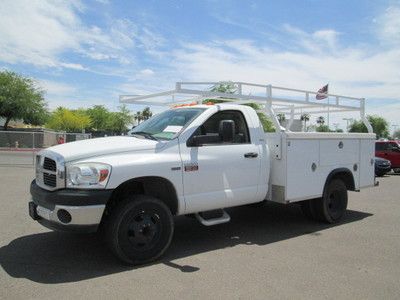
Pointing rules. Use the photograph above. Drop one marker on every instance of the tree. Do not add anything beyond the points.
(224, 87)
(266, 122)
(138, 117)
(281, 117)
(143, 115)
(120, 120)
(321, 121)
(21, 99)
(322, 128)
(379, 126)
(146, 113)
(99, 116)
(305, 118)
(68, 120)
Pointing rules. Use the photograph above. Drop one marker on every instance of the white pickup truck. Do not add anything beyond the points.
(195, 160)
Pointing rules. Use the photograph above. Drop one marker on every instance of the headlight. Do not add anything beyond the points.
(88, 175)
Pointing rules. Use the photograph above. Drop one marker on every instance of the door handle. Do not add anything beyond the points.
(251, 155)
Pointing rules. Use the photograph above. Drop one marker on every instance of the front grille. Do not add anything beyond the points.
(50, 179)
(50, 170)
(49, 164)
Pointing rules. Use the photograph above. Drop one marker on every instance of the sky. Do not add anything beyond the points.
(85, 53)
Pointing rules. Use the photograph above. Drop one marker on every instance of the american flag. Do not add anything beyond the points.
(322, 93)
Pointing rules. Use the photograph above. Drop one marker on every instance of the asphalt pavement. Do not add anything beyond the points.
(271, 252)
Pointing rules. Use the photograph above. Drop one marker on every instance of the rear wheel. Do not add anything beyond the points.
(140, 229)
(333, 204)
(396, 170)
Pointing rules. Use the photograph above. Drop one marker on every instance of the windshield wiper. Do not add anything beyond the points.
(145, 134)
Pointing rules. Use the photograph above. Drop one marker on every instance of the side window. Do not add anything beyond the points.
(211, 126)
(382, 146)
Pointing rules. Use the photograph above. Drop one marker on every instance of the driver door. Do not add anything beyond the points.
(218, 174)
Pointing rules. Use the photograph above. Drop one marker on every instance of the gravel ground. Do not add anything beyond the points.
(271, 252)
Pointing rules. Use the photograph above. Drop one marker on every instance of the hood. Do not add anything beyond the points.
(103, 146)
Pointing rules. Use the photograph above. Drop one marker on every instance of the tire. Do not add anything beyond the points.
(140, 229)
(333, 204)
(396, 170)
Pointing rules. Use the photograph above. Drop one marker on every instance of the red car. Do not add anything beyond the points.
(389, 150)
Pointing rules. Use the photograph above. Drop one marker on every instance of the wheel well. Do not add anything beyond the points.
(157, 187)
(345, 175)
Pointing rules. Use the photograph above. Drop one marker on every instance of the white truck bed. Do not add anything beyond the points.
(301, 162)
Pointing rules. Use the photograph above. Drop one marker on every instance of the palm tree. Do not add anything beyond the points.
(281, 117)
(305, 118)
(146, 113)
(138, 117)
(321, 120)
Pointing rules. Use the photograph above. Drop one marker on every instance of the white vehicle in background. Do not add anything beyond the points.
(200, 159)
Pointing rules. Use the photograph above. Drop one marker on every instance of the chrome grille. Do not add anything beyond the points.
(50, 170)
(50, 179)
(49, 164)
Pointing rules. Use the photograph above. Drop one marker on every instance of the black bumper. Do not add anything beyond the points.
(68, 197)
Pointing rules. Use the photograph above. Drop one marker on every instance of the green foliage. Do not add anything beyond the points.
(305, 118)
(96, 118)
(21, 99)
(143, 115)
(99, 116)
(266, 122)
(379, 125)
(119, 121)
(281, 117)
(68, 120)
(224, 87)
(323, 128)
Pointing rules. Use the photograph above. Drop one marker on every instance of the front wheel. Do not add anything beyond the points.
(140, 229)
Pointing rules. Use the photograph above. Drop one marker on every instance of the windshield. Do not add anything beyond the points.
(168, 124)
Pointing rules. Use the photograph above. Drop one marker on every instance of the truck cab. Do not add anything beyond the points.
(389, 150)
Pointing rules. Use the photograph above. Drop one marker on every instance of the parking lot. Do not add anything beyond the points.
(269, 252)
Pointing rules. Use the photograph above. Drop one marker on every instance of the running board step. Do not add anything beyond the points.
(213, 217)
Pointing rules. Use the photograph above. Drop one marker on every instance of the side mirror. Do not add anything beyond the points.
(227, 131)
(200, 140)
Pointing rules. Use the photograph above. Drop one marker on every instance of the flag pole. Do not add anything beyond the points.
(328, 105)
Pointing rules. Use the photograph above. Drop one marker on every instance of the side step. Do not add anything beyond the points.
(213, 217)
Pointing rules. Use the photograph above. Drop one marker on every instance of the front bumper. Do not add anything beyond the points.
(68, 209)
(383, 168)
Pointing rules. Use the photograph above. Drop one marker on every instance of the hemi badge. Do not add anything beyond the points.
(191, 167)
(175, 168)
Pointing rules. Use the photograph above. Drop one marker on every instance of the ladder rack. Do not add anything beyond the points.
(272, 99)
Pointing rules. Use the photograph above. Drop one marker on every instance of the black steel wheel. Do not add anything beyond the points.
(140, 229)
(333, 204)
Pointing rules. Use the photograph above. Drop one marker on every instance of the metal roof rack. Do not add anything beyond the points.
(273, 99)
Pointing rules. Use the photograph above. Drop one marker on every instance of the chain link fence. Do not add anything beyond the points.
(20, 147)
